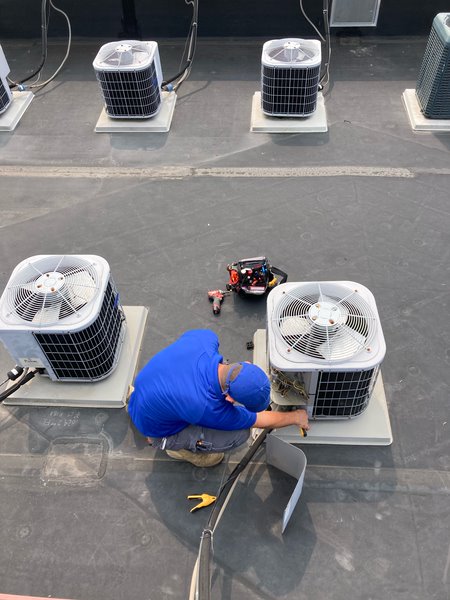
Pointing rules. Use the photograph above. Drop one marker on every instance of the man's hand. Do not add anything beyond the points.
(301, 418)
(273, 419)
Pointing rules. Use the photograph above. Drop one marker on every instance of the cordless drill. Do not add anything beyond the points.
(216, 297)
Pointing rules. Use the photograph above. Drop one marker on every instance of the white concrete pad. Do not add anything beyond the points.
(416, 118)
(371, 428)
(160, 123)
(261, 123)
(15, 111)
(108, 393)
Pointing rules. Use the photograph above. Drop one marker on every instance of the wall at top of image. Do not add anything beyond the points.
(114, 19)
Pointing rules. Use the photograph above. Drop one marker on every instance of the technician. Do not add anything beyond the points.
(185, 401)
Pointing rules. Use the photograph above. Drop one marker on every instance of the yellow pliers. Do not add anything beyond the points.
(206, 500)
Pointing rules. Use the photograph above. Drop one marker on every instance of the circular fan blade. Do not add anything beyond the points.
(295, 326)
(344, 342)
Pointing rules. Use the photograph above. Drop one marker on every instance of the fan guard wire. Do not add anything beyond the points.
(51, 288)
(324, 321)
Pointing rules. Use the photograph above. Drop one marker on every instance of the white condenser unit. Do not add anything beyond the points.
(130, 76)
(5, 93)
(325, 347)
(62, 314)
(290, 73)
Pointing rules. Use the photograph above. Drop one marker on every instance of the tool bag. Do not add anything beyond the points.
(254, 276)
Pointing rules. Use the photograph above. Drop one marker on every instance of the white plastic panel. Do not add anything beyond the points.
(354, 13)
(290, 460)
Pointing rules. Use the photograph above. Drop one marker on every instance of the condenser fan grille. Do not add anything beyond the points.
(292, 55)
(50, 289)
(126, 55)
(324, 322)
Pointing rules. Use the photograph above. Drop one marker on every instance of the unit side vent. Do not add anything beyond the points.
(5, 92)
(89, 354)
(433, 83)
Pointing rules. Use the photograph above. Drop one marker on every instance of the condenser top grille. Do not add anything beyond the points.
(292, 52)
(324, 321)
(47, 289)
(127, 55)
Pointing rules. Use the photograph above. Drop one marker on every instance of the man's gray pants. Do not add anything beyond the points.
(202, 439)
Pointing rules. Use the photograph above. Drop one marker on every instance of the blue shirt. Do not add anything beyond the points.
(180, 386)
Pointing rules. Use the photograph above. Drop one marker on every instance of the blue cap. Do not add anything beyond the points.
(250, 388)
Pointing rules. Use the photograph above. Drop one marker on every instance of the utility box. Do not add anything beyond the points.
(354, 13)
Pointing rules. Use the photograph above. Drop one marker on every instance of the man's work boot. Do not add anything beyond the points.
(199, 459)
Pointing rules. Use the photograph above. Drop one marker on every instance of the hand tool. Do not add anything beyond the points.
(216, 297)
(206, 500)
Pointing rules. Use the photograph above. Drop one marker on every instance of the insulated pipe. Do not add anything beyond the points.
(326, 22)
(192, 39)
(25, 378)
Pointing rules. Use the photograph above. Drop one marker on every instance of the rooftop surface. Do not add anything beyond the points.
(368, 201)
